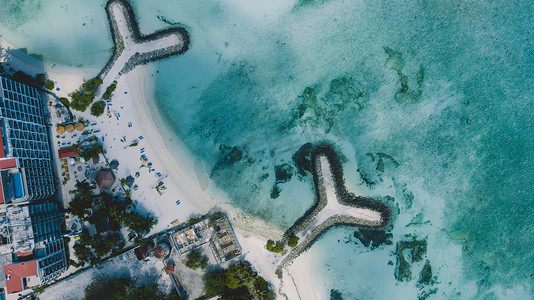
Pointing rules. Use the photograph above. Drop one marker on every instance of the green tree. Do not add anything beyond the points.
(109, 90)
(241, 293)
(49, 85)
(83, 199)
(98, 108)
(277, 247)
(195, 260)
(262, 289)
(84, 96)
(270, 245)
(89, 151)
(293, 241)
(40, 79)
(139, 224)
(240, 273)
(64, 101)
(214, 282)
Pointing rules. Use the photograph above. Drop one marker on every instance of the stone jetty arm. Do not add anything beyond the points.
(137, 48)
(343, 196)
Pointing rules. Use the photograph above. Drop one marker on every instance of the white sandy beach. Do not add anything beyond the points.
(186, 180)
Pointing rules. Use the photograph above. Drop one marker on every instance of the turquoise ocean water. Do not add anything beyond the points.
(430, 103)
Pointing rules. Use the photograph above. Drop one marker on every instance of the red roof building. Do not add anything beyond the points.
(15, 273)
(67, 152)
(8, 163)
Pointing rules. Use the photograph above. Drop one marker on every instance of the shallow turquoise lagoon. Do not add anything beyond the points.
(431, 105)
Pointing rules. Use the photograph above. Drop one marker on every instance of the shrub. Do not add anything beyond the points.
(139, 224)
(293, 241)
(270, 244)
(214, 282)
(196, 260)
(109, 90)
(277, 247)
(64, 101)
(194, 220)
(49, 85)
(40, 79)
(97, 109)
(84, 96)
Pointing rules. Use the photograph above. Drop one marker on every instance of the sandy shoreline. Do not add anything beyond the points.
(186, 179)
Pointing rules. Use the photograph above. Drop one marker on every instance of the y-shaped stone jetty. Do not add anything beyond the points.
(335, 206)
(131, 48)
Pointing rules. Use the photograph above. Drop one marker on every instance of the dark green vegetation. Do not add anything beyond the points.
(292, 241)
(418, 251)
(277, 247)
(84, 96)
(335, 295)
(89, 151)
(342, 94)
(104, 208)
(109, 90)
(214, 282)
(49, 85)
(97, 108)
(373, 237)
(194, 220)
(215, 216)
(124, 289)
(196, 260)
(92, 249)
(239, 281)
(405, 94)
(64, 101)
(39, 80)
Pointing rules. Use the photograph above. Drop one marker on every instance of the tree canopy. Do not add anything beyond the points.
(109, 90)
(195, 260)
(293, 241)
(214, 282)
(84, 96)
(277, 247)
(49, 85)
(90, 151)
(239, 281)
(124, 289)
(97, 108)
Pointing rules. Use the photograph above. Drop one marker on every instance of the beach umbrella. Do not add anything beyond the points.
(80, 126)
(60, 129)
(129, 180)
(82, 160)
(70, 128)
(71, 161)
(114, 164)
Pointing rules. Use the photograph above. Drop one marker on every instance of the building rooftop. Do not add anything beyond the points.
(67, 152)
(16, 272)
(105, 179)
(16, 229)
